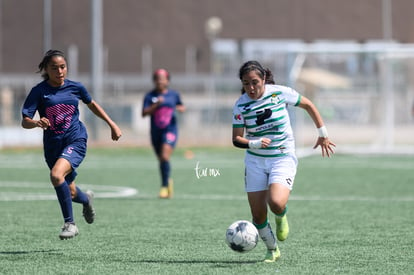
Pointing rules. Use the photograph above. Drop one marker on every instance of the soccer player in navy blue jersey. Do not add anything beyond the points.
(56, 100)
(161, 104)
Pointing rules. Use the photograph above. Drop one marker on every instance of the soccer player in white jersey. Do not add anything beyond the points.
(262, 126)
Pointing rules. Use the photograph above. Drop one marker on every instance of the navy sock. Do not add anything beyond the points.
(65, 201)
(165, 172)
(81, 197)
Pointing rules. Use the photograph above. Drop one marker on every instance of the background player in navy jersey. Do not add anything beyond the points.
(160, 104)
(56, 100)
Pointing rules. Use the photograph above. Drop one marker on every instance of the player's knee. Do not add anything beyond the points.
(56, 178)
(277, 206)
(164, 157)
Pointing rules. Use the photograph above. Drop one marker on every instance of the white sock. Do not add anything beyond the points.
(266, 234)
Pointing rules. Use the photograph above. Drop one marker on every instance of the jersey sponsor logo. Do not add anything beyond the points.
(265, 127)
(262, 115)
(163, 117)
(238, 117)
(60, 117)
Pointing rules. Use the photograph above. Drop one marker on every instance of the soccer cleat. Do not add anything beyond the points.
(282, 228)
(88, 210)
(164, 193)
(170, 188)
(272, 255)
(69, 230)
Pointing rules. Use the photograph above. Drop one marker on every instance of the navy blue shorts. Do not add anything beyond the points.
(160, 137)
(74, 152)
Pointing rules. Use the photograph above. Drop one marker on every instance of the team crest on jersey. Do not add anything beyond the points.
(274, 98)
(238, 117)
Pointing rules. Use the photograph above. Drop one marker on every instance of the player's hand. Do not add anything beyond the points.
(116, 132)
(266, 142)
(326, 145)
(160, 99)
(43, 123)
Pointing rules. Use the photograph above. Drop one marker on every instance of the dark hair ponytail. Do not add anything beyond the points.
(46, 59)
(269, 77)
(253, 65)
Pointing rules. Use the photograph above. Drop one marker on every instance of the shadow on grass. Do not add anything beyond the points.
(50, 251)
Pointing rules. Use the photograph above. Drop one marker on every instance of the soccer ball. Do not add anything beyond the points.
(242, 236)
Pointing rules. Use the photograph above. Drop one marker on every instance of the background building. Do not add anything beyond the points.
(172, 27)
(353, 58)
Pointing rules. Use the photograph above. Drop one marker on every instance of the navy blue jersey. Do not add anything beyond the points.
(60, 106)
(164, 115)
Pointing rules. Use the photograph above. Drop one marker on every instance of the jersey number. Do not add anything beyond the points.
(262, 115)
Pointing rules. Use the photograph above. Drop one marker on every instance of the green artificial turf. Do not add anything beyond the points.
(347, 215)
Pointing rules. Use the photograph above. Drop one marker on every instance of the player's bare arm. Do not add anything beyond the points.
(29, 123)
(323, 141)
(116, 132)
(180, 108)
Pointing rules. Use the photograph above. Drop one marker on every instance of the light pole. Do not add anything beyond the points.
(96, 57)
(47, 25)
(1, 30)
(386, 20)
(386, 70)
(212, 28)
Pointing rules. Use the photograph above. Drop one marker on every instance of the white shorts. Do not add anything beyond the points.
(262, 171)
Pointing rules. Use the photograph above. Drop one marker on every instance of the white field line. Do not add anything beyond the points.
(101, 191)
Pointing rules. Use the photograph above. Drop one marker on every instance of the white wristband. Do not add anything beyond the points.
(255, 144)
(323, 132)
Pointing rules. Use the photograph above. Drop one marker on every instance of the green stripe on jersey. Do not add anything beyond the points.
(267, 156)
(246, 104)
(270, 131)
(271, 95)
(274, 111)
(282, 101)
(258, 108)
(238, 125)
(254, 101)
(274, 147)
(265, 133)
(279, 139)
(267, 121)
(299, 99)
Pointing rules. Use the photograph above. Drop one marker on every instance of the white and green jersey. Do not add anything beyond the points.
(268, 117)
